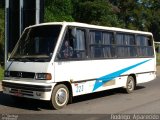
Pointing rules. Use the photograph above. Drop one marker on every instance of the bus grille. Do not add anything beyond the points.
(21, 74)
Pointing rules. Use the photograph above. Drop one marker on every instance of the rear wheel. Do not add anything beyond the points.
(130, 85)
(60, 96)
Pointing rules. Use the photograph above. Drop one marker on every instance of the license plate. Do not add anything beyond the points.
(18, 93)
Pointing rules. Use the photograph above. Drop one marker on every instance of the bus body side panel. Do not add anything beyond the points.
(97, 75)
(145, 77)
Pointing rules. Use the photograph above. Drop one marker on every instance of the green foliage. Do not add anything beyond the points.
(1, 25)
(96, 12)
(158, 58)
(140, 15)
(1, 73)
(129, 12)
(58, 10)
(153, 17)
(1, 34)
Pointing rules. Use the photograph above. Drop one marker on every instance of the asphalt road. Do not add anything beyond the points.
(145, 100)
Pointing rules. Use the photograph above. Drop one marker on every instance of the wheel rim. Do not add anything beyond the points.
(61, 97)
(130, 85)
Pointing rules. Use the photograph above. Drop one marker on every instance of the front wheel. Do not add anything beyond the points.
(60, 96)
(130, 85)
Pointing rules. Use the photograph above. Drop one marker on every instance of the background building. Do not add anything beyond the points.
(18, 15)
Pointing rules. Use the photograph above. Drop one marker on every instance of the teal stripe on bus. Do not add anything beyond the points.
(104, 79)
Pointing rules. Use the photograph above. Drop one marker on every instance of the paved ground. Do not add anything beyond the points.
(145, 99)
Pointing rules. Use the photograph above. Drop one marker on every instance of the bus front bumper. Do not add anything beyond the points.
(38, 91)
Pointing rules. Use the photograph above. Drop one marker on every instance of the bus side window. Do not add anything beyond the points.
(96, 44)
(66, 50)
(79, 44)
(145, 46)
(73, 45)
(149, 39)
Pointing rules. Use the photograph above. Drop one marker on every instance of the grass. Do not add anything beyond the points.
(1, 73)
(158, 58)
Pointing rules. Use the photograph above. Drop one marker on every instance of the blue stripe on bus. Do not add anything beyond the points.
(104, 79)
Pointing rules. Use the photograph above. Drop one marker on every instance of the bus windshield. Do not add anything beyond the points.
(36, 44)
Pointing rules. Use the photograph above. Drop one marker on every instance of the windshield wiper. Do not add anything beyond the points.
(41, 60)
(20, 59)
(30, 59)
(24, 60)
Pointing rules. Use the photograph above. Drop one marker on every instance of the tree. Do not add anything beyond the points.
(98, 12)
(58, 10)
(2, 20)
(130, 12)
(140, 15)
(153, 17)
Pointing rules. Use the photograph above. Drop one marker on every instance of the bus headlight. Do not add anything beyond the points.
(43, 76)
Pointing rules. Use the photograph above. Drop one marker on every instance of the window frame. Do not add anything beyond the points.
(62, 41)
(145, 46)
(101, 44)
(88, 45)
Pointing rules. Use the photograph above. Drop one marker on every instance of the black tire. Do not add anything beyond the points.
(58, 101)
(130, 84)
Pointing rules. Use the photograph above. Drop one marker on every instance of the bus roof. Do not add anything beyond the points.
(92, 26)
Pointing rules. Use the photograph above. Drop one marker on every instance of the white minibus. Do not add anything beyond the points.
(59, 60)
